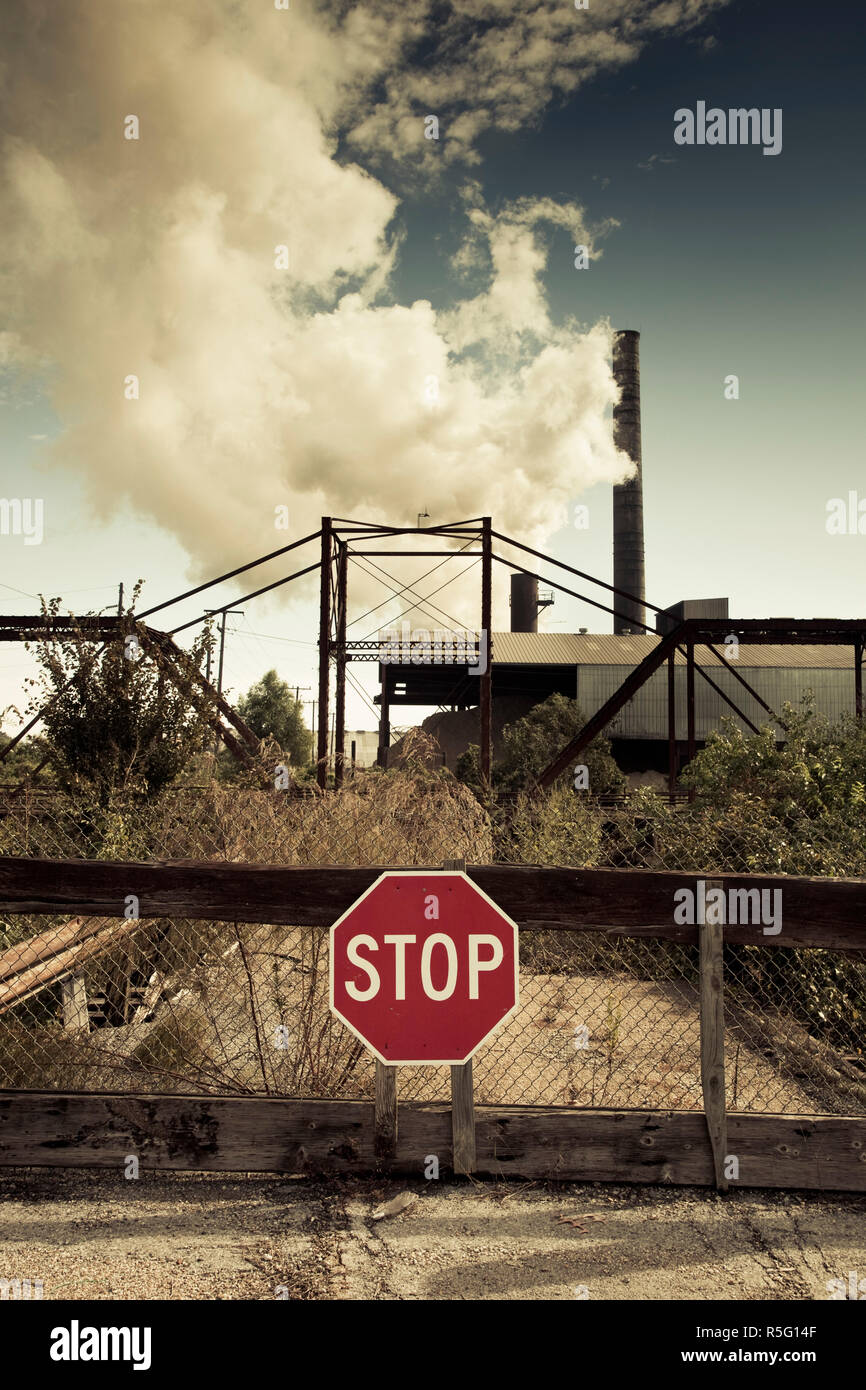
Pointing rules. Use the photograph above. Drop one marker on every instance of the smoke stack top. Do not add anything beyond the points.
(628, 539)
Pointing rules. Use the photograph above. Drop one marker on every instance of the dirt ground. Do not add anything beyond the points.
(94, 1235)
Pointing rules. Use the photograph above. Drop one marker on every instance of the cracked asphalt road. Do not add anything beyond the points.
(94, 1235)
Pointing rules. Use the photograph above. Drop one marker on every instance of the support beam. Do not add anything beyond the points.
(750, 688)
(581, 574)
(713, 1040)
(230, 574)
(245, 598)
(324, 654)
(340, 711)
(672, 729)
(345, 526)
(690, 705)
(603, 716)
(402, 554)
(463, 1156)
(723, 694)
(73, 996)
(384, 717)
(385, 1114)
(486, 653)
(858, 678)
(755, 631)
(204, 699)
(182, 661)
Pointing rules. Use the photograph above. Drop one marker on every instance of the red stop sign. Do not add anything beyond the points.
(424, 968)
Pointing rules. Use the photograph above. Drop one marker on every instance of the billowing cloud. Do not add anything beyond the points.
(268, 378)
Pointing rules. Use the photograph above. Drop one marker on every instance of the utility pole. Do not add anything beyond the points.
(210, 612)
(225, 613)
(124, 665)
(325, 615)
(299, 701)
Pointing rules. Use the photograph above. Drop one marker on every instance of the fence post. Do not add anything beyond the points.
(711, 939)
(462, 1095)
(463, 1119)
(73, 996)
(385, 1130)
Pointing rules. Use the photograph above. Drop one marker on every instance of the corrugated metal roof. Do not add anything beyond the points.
(606, 649)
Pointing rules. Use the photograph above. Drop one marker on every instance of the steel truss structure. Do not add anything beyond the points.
(343, 540)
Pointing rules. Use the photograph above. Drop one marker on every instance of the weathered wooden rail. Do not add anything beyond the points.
(829, 913)
(251, 1134)
(826, 1152)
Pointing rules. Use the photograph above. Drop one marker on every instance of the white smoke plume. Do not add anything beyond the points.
(306, 386)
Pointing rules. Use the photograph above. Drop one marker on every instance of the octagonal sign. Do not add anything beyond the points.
(424, 968)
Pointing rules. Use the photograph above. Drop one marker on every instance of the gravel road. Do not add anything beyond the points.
(94, 1235)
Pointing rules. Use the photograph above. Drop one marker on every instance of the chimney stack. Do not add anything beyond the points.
(628, 547)
(524, 603)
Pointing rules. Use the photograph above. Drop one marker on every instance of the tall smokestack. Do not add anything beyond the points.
(524, 603)
(628, 552)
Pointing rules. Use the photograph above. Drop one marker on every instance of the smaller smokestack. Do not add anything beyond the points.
(524, 603)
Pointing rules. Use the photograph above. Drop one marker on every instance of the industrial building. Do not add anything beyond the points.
(590, 667)
(670, 714)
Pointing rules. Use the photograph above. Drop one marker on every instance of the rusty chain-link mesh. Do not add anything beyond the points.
(177, 1005)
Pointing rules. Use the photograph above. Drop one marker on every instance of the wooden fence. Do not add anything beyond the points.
(346, 1136)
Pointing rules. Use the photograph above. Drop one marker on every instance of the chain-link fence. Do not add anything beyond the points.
(178, 1005)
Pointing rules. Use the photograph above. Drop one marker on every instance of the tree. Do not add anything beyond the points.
(531, 743)
(24, 759)
(271, 710)
(114, 720)
(818, 772)
(798, 808)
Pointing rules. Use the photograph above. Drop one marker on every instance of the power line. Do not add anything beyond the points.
(420, 580)
(364, 696)
(413, 591)
(91, 589)
(244, 633)
(397, 594)
(24, 592)
(270, 637)
(230, 574)
(411, 609)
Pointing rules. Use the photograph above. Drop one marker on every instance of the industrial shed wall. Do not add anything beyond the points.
(646, 715)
